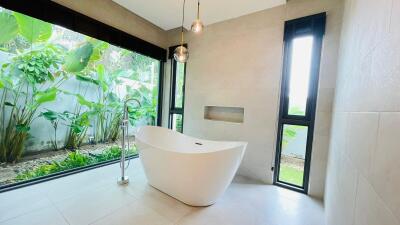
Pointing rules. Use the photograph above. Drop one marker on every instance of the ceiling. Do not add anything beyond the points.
(167, 14)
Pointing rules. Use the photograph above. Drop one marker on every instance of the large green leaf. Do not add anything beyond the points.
(83, 101)
(32, 29)
(1, 84)
(77, 59)
(9, 27)
(46, 96)
(9, 104)
(86, 79)
(98, 48)
(101, 75)
(50, 115)
(23, 128)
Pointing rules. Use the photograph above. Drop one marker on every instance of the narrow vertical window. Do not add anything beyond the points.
(303, 43)
(177, 99)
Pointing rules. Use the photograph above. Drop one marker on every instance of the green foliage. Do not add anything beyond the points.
(9, 27)
(23, 93)
(39, 172)
(77, 59)
(148, 109)
(88, 79)
(78, 125)
(289, 133)
(109, 154)
(296, 110)
(39, 60)
(180, 79)
(179, 123)
(72, 161)
(38, 65)
(33, 30)
(46, 95)
(54, 118)
(76, 160)
(291, 174)
(99, 47)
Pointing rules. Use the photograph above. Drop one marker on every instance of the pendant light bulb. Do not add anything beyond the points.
(197, 25)
(181, 53)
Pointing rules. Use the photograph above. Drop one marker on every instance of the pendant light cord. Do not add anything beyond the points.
(198, 9)
(183, 20)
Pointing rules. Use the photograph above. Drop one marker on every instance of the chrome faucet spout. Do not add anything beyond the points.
(125, 115)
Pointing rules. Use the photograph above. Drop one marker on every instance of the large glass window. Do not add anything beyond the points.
(303, 42)
(177, 96)
(62, 95)
(300, 75)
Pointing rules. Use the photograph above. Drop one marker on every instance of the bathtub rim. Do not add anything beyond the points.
(240, 144)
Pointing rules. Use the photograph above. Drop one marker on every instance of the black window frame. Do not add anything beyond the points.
(310, 25)
(57, 14)
(172, 109)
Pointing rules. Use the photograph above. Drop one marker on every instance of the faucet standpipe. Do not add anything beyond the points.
(125, 126)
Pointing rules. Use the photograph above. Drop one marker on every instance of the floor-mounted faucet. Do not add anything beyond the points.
(124, 126)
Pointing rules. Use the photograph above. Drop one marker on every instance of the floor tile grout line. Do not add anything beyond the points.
(104, 186)
(73, 195)
(166, 218)
(58, 210)
(25, 213)
(183, 216)
(107, 187)
(110, 213)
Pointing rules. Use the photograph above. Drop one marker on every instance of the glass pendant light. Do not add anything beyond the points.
(197, 25)
(181, 54)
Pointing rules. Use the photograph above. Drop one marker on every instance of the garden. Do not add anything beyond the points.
(293, 154)
(61, 98)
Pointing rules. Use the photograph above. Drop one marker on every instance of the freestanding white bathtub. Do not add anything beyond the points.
(191, 170)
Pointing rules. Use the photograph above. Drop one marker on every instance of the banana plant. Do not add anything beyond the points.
(54, 118)
(29, 80)
(78, 124)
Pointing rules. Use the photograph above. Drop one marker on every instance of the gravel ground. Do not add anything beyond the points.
(293, 162)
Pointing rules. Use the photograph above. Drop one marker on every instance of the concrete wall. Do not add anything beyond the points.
(238, 63)
(112, 14)
(363, 174)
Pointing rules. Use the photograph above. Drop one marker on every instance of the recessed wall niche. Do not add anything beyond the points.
(222, 113)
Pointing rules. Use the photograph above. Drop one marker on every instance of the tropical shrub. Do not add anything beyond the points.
(78, 126)
(23, 92)
(113, 152)
(72, 161)
(54, 118)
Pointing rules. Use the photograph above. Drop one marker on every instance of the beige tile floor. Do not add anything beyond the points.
(93, 197)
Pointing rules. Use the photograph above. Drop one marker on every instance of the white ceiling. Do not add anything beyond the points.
(167, 14)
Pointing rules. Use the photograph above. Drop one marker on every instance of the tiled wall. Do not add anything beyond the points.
(238, 63)
(363, 181)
